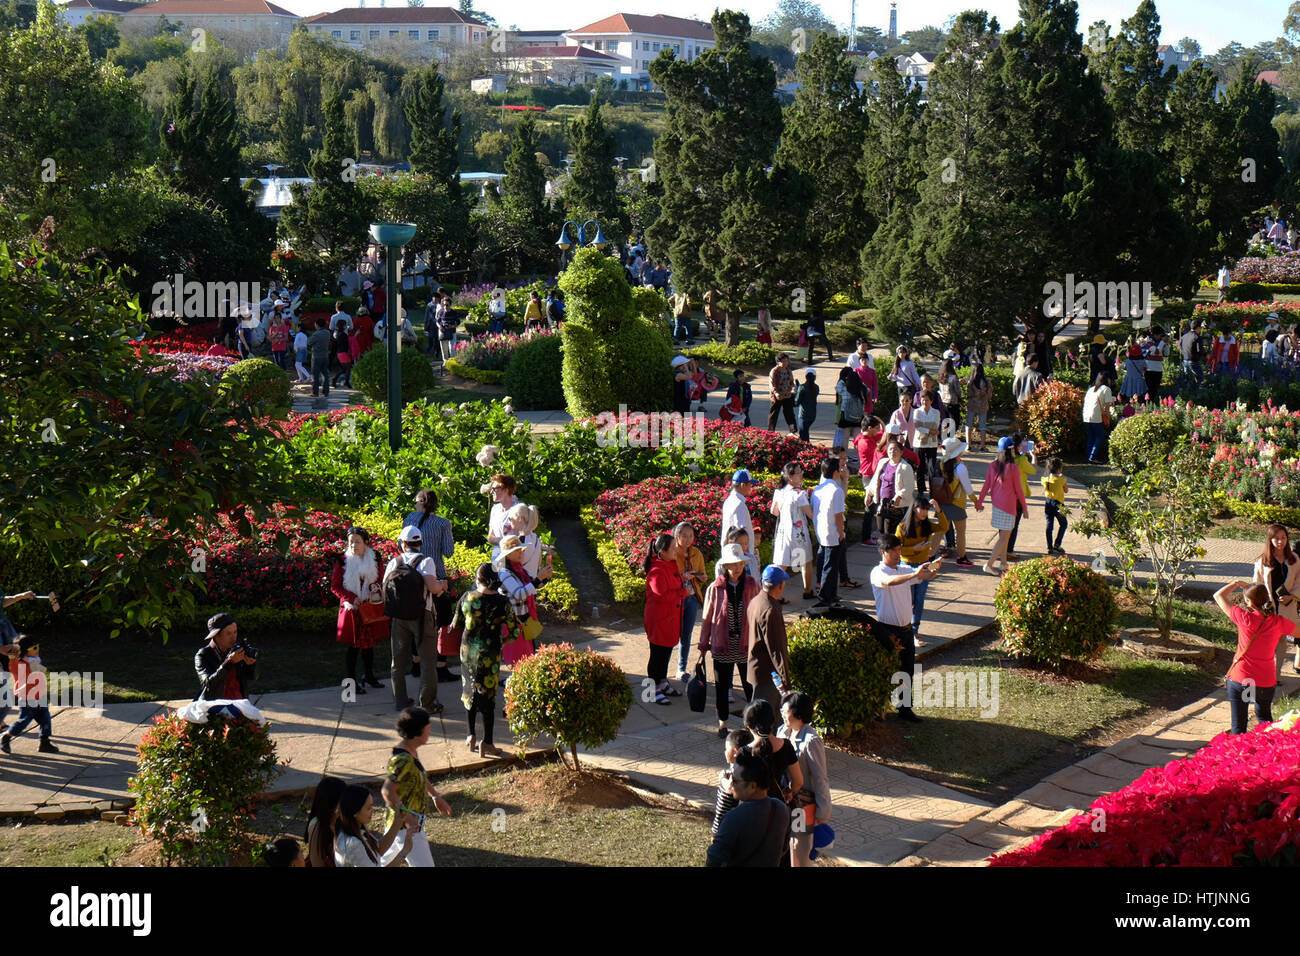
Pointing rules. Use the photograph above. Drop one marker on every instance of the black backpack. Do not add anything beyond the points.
(404, 592)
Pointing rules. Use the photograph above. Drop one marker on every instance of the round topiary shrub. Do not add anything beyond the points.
(195, 785)
(1053, 415)
(1051, 609)
(1141, 439)
(532, 378)
(370, 374)
(574, 696)
(844, 669)
(258, 383)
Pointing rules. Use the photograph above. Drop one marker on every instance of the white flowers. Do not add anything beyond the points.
(448, 411)
(487, 454)
(485, 488)
(509, 410)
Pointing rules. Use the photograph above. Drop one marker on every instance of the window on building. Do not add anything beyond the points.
(394, 33)
(596, 45)
(374, 34)
(432, 35)
(677, 48)
(337, 34)
(645, 45)
(413, 34)
(354, 34)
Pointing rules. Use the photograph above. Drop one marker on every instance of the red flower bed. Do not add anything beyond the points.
(634, 514)
(290, 427)
(761, 450)
(1234, 803)
(189, 338)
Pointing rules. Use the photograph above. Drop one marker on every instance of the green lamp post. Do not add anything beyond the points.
(392, 236)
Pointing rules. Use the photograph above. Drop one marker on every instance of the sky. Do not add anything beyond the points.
(1213, 23)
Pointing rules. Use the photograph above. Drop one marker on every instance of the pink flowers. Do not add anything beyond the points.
(1234, 803)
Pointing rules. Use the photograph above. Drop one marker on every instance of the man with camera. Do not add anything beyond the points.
(224, 665)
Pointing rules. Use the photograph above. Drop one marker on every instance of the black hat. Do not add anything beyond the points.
(218, 623)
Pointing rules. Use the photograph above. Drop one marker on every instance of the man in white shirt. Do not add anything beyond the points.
(861, 357)
(735, 512)
(828, 520)
(340, 319)
(503, 498)
(1225, 281)
(891, 585)
(411, 636)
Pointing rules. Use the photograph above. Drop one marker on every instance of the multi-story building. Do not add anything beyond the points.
(423, 31)
(560, 65)
(1171, 57)
(241, 24)
(916, 69)
(634, 40)
(77, 12)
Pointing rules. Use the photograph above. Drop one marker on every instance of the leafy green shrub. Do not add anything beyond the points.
(485, 375)
(744, 354)
(533, 377)
(322, 303)
(1141, 439)
(574, 696)
(370, 374)
(195, 784)
(1249, 292)
(1261, 513)
(1280, 288)
(583, 378)
(259, 384)
(271, 620)
(1051, 609)
(1169, 314)
(638, 357)
(1053, 415)
(843, 334)
(845, 671)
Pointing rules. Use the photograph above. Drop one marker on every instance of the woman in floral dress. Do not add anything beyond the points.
(484, 613)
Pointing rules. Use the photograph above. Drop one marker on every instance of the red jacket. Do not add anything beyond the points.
(713, 620)
(1233, 358)
(365, 332)
(663, 603)
(350, 629)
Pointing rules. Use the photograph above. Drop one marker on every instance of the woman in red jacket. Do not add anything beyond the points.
(1253, 674)
(665, 590)
(356, 582)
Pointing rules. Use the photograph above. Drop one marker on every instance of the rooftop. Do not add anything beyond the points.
(180, 8)
(393, 15)
(657, 25)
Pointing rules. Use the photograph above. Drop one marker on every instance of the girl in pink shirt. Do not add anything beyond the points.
(1002, 480)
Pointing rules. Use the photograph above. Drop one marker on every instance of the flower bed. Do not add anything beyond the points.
(635, 514)
(1248, 315)
(493, 353)
(191, 338)
(1283, 268)
(184, 366)
(1233, 803)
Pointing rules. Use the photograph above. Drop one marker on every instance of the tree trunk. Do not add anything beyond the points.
(575, 757)
(731, 320)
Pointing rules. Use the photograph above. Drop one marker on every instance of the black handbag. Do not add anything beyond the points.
(698, 687)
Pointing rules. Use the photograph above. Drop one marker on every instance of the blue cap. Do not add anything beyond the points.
(773, 575)
(1006, 442)
(823, 836)
(741, 477)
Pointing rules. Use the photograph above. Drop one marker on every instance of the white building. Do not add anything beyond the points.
(916, 69)
(634, 40)
(425, 31)
(1171, 57)
(242, 24)
(77, 12)
(561, 65)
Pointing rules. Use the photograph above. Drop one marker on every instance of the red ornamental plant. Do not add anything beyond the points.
(190, 338)
(1234, 803)
(635, 514)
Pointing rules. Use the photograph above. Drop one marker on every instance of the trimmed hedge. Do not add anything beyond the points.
(273, 620)
(258, 383)
(1051, 609)
(370, 374)
(532, 379)
(843, 334)
(324, 303)
(1264, 514)
(628, 586)
(845, 671)
(743, 355)
(484, 375)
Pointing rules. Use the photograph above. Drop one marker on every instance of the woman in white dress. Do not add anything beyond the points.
(793, 547)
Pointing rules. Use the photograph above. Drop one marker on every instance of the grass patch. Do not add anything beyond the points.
(139, 668)
(1237, 530)
(1195, 617)
(74, 843)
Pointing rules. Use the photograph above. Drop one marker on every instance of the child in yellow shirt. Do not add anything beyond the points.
(1054, 485)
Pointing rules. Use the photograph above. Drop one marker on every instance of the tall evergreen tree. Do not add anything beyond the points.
(289, 137)
(724, 122)
(1136, 81)
(330, 221)
(1252, 105)
(524, 201)
(591, 190)
(436, 203)
(825, 134)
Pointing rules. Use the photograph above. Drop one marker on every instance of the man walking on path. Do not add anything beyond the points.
(828, 517)
(891, 584)
(767, 644)
(781, 381)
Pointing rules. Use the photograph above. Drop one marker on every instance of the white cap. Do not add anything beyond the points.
(410, 533)
(731, 554)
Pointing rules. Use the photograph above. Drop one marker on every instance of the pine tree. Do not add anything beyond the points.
(331, 219)
(201, 138)
(435, 202)
(1136, 81)
(591, 191)
(825, 133)
(1252, 105)
(724, 122)
(289, 137)
(524, 201)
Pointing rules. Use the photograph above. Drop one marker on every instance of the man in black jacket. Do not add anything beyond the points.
(224, 666)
